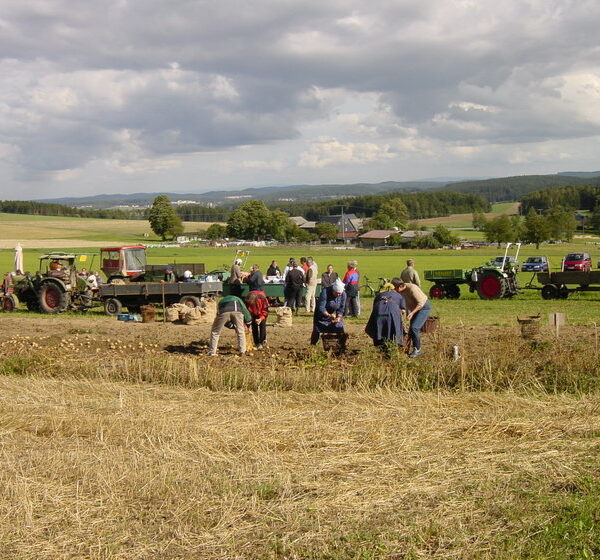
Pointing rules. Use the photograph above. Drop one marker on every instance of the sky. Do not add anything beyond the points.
(125, 96)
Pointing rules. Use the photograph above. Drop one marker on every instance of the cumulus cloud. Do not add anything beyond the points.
(136, 86)
(329, 151)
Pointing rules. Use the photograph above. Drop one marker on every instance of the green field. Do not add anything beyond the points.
(374, 264)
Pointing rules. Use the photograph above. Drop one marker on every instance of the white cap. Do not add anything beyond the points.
(338, 286)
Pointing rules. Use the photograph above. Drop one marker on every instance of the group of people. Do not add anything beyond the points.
(401, 298)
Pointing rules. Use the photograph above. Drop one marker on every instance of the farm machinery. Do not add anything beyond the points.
(494, 280)
(56, 287)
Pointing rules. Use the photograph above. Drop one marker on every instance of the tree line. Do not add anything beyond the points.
(33, 208)
(418, 205)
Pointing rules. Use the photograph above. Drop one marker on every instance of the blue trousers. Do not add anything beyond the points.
(416, 324)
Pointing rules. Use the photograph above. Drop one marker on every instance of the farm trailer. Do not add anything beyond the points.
(555, 285)
(135, 294)
(273, 290)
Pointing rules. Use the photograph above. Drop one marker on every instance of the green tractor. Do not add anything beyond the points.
(56, 287)
(494, 280)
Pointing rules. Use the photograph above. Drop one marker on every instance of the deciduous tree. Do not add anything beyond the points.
(163, 219)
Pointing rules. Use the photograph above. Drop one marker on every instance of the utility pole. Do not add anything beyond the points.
(343, 227)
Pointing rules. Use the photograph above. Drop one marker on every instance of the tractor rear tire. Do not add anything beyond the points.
(112, 307)
(191, 301)
(453, 291)
(550, 291)
(10, 303)
(491, 286)
(437, 291)
(52, 299)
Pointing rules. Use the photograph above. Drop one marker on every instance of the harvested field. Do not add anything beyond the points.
(125, 441)
(119, 471)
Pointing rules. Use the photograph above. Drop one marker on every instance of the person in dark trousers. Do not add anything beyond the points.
(328, 277)
(258, 306)
(292, 289)
(351, 280)
(419, 309)
(255, 279)
(385, 323)
(329, 314)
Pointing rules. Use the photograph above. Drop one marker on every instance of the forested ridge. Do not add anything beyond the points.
(508, 189)
(34, 208)
(573, 197)
(419, 205)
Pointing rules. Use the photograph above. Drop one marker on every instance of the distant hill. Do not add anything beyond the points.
(582, 174)
(508, 189)
(290, 193)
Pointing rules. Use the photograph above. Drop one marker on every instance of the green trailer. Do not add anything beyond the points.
(274, 291)
(446, 282)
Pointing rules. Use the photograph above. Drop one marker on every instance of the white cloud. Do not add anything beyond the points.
(328, 151)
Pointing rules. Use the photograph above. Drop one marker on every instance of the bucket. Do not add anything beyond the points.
(530, 326)
(148, 313)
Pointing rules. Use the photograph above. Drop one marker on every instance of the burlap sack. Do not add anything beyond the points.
(210, 309)
(171, 314)
(284, 316)
(202, 315)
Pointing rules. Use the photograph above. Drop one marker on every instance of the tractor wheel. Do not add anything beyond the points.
(10, 303)
(191, 301)
(52, 299)
(491, 286)
(112, 307)
(550, 291)
(437, 291)
(453, 292)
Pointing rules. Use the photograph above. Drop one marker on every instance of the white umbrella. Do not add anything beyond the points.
(18, 258)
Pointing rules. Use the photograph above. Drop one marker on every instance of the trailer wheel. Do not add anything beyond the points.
(491, 286)
(10, 303)
(550, 291)
(563, 292)
(191, 301)
(453, 292)
(52, 299)
(112, 307)
(437, 291)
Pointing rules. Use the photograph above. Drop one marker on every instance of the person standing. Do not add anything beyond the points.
(288, 267)
(419, 309)
(311, 284)
(304, 265)
(230, 308)
(235, 278)
(258, 306)
(329, 314)
(410, 274)
(328, 277)
(351, 280)
(292, 289)
(385, 322)
(255, 279)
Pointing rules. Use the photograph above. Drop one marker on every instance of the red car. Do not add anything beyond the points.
(577, 261)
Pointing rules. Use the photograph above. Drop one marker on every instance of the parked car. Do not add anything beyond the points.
(498, 262)
(577, 261)
(535, 264)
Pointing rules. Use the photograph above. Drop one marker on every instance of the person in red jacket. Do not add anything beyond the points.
(258, 306)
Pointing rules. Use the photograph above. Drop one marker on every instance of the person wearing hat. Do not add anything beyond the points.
(419, 309)
(169, 275)
(329, 314)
